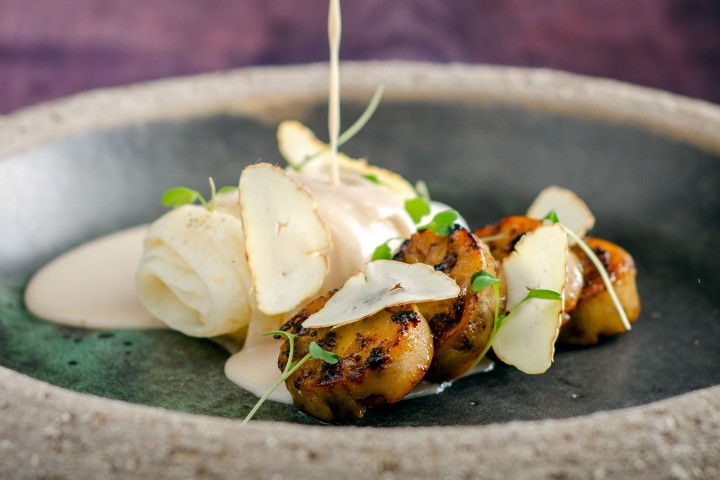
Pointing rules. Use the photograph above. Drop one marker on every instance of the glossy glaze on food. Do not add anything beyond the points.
(382, 358)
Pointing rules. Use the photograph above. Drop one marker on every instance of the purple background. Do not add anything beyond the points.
(50, 48)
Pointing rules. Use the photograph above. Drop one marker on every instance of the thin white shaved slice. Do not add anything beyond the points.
(527, 338)
(382, 284)
(304, 152)
(571, 210)
(286, 241)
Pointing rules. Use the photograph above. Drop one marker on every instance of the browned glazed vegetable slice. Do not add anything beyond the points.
(504, 235)
(462, 326)
(595, 314)
(382, 358)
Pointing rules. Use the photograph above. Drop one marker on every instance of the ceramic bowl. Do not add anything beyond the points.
(82, 403)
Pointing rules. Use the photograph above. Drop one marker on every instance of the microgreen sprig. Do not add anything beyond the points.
(552, 217)
(383, 251)
(178, 196)
(364, 118)
(484, 279)
(227, 189)
(442, 223)
(417, 208)
(353, 129)
(315, 351)
(373, 178)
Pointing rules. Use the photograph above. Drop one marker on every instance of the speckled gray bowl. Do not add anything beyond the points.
(646, 161)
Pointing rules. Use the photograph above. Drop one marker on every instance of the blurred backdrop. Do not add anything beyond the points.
(51, 48)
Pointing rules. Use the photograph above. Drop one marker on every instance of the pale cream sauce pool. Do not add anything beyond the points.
(93, 286)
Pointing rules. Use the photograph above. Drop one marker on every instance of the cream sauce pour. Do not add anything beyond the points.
(334, 32)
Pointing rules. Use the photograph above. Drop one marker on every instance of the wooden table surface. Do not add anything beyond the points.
(51, 48)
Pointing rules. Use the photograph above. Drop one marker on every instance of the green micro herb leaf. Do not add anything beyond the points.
(417, 208)
(315, 351)
(442, 223)
(447, 217)
(539, 294)
(227, 189)
(382, 252)
(376, 180)
(372, 178)
(482, 280)
(552, 217)
(179, 196)
(544, 294)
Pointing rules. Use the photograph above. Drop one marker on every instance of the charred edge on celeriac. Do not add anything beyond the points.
(461, 327)
(382, 358)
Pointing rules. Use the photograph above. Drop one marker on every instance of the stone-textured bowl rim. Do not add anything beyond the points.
(47, 431)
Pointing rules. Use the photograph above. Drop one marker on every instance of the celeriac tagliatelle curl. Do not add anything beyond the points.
(194, 274)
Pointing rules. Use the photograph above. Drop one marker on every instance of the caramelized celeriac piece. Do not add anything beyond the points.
(595, 314)
(584, 286)
(461, 326)
(502, 238)
(381, 359)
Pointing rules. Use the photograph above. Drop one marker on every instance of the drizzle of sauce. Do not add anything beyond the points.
(334, 32)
